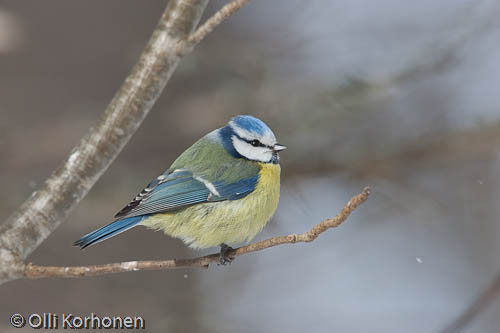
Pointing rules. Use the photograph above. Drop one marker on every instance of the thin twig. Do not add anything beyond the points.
(37, 272)
(216, 19)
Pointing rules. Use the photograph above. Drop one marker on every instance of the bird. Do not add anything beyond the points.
(220, 191)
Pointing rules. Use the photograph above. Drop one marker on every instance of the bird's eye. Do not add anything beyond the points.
(255, 143)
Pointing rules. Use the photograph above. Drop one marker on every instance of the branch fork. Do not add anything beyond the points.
(174, 36)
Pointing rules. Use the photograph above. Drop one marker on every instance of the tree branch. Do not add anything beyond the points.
(37, 272)
(207, 27)
(47, 207)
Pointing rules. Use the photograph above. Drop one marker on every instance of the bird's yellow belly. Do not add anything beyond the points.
(231, 221)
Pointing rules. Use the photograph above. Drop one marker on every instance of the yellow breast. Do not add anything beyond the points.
(232, 221)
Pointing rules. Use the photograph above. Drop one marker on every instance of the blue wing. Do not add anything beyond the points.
(181, 188)
(173, 190)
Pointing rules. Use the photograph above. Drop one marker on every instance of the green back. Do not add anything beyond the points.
(210, 160)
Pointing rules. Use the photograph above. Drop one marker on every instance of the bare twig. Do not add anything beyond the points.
(36, 272)
(482, 302)
(215, 20)
(44, 211)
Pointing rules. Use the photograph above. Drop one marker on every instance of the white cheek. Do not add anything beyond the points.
(245, 149)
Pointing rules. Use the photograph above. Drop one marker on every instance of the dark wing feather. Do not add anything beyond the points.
(181, 188)
(168, 177)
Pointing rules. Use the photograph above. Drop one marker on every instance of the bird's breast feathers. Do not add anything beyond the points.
(230, 221)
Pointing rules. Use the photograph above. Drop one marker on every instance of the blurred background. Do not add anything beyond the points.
(401, 96)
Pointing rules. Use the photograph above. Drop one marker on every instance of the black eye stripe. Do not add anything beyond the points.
(256, 143)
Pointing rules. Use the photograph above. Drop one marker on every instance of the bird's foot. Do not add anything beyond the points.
(224, 259)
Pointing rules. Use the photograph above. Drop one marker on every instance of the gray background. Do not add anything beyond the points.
(401, 96)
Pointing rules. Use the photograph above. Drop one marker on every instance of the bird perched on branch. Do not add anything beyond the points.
(221, 190)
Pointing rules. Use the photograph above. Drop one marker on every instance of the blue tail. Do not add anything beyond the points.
(108, 231)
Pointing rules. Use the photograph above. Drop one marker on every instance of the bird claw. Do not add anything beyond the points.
(224, 259)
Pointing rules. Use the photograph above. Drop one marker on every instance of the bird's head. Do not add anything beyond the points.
(250, 138)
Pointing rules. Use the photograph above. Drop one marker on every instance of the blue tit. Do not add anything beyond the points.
(221, 190)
